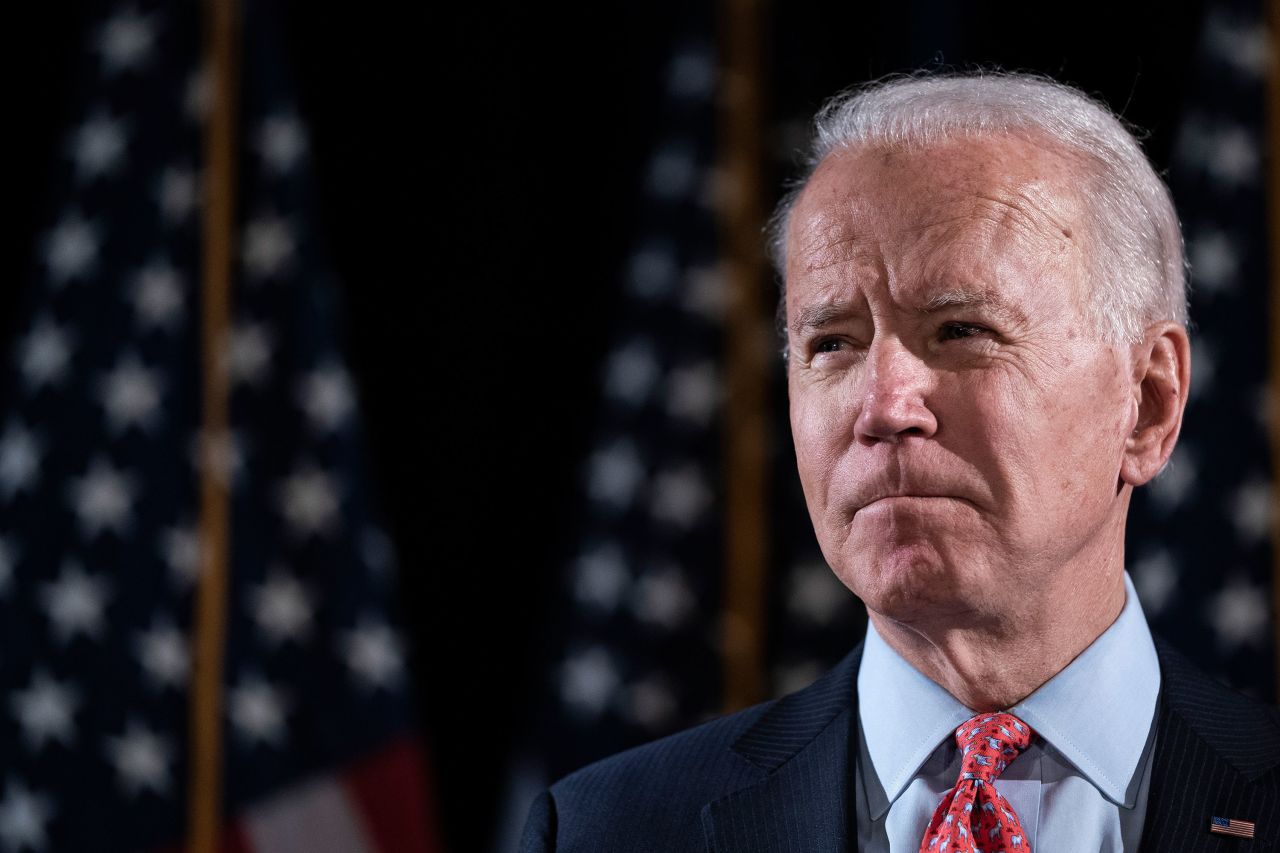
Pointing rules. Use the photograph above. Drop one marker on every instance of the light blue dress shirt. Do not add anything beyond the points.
(1080, 786)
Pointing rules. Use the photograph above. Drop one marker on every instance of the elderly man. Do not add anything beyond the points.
(987, 352)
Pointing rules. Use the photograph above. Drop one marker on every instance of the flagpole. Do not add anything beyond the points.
(1273, 242)
(741, 226)
(218, 244)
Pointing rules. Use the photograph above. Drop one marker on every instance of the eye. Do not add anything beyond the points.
(956, 331)
(827, 345)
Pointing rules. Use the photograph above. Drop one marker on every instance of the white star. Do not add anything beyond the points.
(1178, 477)
(8, 559)
(220, 454)
(310, 501)
(327, 396)
(680, 495)
(1214, 263)
(103, 499)
(20, 453)
(1252, 510)
(588, 681)
(198, 95)
(180, 548)
(1244, 46)
(44, 355)
(1234, 157)
(71, 249)
(631, 373)
(650, 703)
(164, 654)
(98, 146)
(705, 293)
(662, 597)
(257, 711)
(815, 595)
(282, 607)
(601, 577)
(249, 352)
(75, 603)
(614, 474)
(126, 41)
(692, 74)
(130, 395)
(1155, 577)
(46, 711)
(159, 297)
(268, 246)
(672, 171)
(693, 393)
(178, 194)
(23, 818)
(1238, 614)
(374, 655)
(652, 271)
(282, 142)
(141, 758)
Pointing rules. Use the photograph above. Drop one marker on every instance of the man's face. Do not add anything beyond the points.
(959, 428)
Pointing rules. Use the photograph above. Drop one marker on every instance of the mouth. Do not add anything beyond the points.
(909, 500)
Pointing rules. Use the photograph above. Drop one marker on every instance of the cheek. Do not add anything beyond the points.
(818, 431)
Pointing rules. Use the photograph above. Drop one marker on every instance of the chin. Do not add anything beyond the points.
(909, 584)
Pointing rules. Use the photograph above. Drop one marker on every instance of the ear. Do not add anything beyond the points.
(1161, 377)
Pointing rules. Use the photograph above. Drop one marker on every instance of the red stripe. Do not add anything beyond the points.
(393, 794)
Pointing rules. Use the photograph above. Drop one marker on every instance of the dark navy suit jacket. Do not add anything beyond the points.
(778, 777)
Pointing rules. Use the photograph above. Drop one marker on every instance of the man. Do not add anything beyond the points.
(987, 352)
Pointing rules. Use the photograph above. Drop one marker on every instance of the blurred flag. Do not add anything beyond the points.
(98, 490)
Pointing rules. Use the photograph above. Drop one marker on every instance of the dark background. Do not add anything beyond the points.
(476, 164)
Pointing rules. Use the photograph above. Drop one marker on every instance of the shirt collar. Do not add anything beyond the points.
(905, 716)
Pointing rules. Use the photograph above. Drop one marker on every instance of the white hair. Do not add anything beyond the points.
(1136, 264)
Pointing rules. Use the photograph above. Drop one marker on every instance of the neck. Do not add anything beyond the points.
(995, 667)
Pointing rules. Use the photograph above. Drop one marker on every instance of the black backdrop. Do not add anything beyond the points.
(476, 163)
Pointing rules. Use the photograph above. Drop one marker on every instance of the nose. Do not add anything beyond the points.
(896, 383)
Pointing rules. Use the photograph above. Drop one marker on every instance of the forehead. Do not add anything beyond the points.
(972, 212)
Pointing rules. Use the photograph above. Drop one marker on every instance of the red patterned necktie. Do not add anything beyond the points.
(974, 817)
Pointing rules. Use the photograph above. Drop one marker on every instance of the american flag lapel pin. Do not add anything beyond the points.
(1225, 826)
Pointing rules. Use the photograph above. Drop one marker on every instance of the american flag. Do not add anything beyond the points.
(99, 455)
(1230, 826)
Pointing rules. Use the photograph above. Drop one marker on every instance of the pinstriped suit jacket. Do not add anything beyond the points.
(776, 777)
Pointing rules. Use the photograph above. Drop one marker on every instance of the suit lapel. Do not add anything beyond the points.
(1212, 750)
(802, 802)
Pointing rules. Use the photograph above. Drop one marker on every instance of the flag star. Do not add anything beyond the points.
(71, 249)
(44, 355)
(1176, 480)
(219, 454)
(632, 372)
(130, 395)
(814, 593)
(257, 711)
(705, 293)
(164, 654)
(180, 549)
(98, 146)
(652, 272)
(45, 711)
(680, 495)
(693, 393)
(282, 143)
(8, 559)
(1244, 46)
(126, 41)
(672, 170)
(198, 94)
(178, 194)
(650, 703)
(1215, 262)
(614, 475)
(282, 607)
(75, 603)
(663, 598)
(692, 73)
(373, 654)
(1155, 577)
(20, 452)
(327, 396)
(24, 816)
(103, 499)
(601, 577)
(268, 246)
(1239, 614)
(588, 681)
(1234, 157)
(1252, 511)
(142, 760)
(159, 297)
(249, 352)
(310, 501)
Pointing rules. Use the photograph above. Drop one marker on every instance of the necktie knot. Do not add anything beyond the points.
(988, 743)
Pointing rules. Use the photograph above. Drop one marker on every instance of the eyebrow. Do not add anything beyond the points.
(817, 316)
